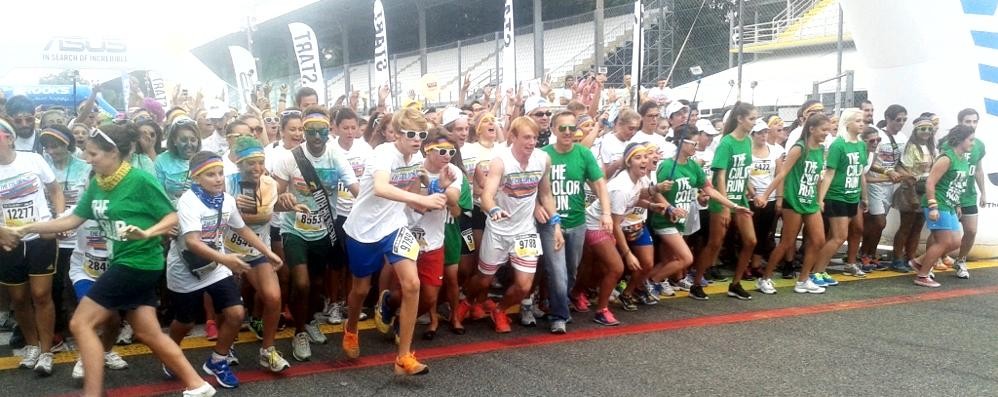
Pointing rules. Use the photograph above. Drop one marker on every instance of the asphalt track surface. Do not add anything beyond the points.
(878, 337)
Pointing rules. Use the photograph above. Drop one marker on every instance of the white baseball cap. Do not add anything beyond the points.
(705, 126)
(533, 103)
(452, 114)
(674, 107)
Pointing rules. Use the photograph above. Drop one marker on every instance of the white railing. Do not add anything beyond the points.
(770, 30)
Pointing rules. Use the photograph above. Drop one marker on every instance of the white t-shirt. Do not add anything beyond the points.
(428, 228)
(22, 191)
(229, 167)
(74, 180)
(215, 143)
(90, 258)
(624, 194)
(764, 170)
(331, 168)
(380, 216)
(705, 158)
(481, 158)
(517, 193)
(357, 156)
(660, 95)
(272, 156)
(25, 144)
(197, 217)
(611, 148)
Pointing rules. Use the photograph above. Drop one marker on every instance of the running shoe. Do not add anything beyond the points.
(696, 292)
(652, 290)
(256, 327)
(501, 321)
(31, 354)
(605, 317)
(351, 344)
(462, 310)
(478, 311)
(231, 358)
(408, 365)
(559, 327)
(961, 269)
(852, 269)
(901, 266)
(829, 281)
(301, 349)
(210, 330)
(817, 280)
(628, 302)
(808, 287)
(271, 359)
(765, 285)
(205, 390)
(787, 271)
(125, 336)
(580, 303)
(59, 344)
(684, 284)
(926, 282)
(647, 298)
(527, 318)
(315, 333)
(166, 372)
(222, 373)
(735, 290)
(78, 370)
(114, 361)
(664, 289)
(335, 313)
(43, 366)
(383, 313)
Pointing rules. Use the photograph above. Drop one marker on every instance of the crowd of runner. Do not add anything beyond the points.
(299, 214)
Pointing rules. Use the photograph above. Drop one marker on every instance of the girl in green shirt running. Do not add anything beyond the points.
(803, 166)
(943, 188)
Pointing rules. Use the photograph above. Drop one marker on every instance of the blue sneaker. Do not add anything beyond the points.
(901, 266)
(829, 281)
(383, 314)
(222, 373)
(817, 280)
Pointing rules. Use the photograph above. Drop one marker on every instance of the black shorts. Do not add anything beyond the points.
(477, 218)
(835, 209)
(125, 288)
(969, 210)
(465, 224)
(275, 233)
(339, 258)
(187, 307)
(32, 258)
(317, 255)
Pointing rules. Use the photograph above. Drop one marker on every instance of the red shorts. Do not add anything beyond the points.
(594, 237)
(430, 266)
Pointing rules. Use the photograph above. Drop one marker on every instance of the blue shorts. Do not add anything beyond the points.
(367, 258)
(947, 221)
(81, 287)
(257, 262)
(643, 239)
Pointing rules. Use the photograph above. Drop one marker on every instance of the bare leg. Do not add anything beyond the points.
(146, 327)
(88, 316)
(814, 228)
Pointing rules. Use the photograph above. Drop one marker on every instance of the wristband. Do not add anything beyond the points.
(494, 210)
(434, 187)
(668, 210)
(554, 220)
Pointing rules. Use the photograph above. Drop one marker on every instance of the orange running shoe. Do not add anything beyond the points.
(351, 344)
(461, 312)
(501, 321)
(478, 312)
(408, 365)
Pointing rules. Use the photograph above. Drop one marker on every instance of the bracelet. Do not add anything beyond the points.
(554, 220)
(494, 210)
(668, 210)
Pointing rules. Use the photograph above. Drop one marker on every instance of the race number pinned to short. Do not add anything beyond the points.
(469, 238)
(405, 244)
(527, 245)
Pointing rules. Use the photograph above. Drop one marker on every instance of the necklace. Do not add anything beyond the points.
(107, 183)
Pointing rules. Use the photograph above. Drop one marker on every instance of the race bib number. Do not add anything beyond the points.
(19, 213)
(420, 236)
(308, 221)
(469, 239)
(527, 245)
(94, 266)
(633, 231)
(405, 244)
(237, 245)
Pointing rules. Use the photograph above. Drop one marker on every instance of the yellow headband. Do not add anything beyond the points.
(816, 107)
(205, 166)
(642, 149)
(775, 122)
(487, 116)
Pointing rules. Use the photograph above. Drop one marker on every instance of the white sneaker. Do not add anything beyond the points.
(231, 358)
(78, 370)
(961, 269)
(335, 314)
(684, 284)
(31, 354)
(205, 390)
(302, 351)
(765, 286)
(808, 287)
(665, 289)
(112, 360)
(853, 269)
(423, 320)
(315, 333)
(527, 318)
(126, 335)
(271, 359)
(44, 365)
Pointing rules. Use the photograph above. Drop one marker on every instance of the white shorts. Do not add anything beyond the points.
(880, 196)
(666, 231)
(497, 250)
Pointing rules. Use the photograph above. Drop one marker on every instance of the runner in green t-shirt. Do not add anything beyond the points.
(801, 171)
(669, 221)
(969, 200)
(841, 189)
(133, 211)
(731, 169)
(943, 189)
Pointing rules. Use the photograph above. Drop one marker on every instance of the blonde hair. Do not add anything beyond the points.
(409, 119)
(846, 117)
(523, 122)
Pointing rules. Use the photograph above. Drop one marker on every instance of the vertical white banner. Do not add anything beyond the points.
(245, 68)
(637, 54)
(508, 76)
(382, 71)
(306, 47)
(158, 87)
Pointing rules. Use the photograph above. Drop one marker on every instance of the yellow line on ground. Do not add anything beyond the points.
(138, 349)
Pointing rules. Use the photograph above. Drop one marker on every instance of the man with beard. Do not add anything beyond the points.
(22, 113)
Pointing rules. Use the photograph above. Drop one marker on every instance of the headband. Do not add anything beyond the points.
(316, 117)
(249, 153)
(478, 128)
(213, 161)
(636, 149)
(776, 121)
(818, 106)
(55, 134)
(6, 127)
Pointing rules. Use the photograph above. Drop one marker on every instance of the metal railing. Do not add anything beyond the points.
(769, 31)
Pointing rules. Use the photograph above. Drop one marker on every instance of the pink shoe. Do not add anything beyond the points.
(581, 302)
(926, 282)
(210, 330)
(605, 317)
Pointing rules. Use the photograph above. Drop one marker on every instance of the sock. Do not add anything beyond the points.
(215, 357)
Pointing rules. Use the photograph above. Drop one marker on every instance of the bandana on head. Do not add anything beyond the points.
(200, 168)
(249, 153)
(316, 118)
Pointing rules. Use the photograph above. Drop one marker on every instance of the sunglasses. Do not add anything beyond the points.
(875, 140)
(140, 119)
(924, 129)
(271, 120)
(694, 143)
(442, 151)
(24, 120)
(257, 129)
(96, 132)
(290, 113)
(567, 128)
(317, 131)
(541, 114)
(413, 134)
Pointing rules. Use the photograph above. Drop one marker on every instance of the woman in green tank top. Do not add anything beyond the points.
(799, 182)
(943, 188)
